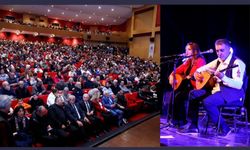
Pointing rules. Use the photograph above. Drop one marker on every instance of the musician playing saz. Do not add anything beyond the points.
(227, 90)
(184, 74)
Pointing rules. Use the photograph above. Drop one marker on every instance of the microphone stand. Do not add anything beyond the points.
(175, 61)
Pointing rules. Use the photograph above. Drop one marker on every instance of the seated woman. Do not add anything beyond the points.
(185, 71)
(20, 127)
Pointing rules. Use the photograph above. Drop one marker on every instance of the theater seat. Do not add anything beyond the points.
(44, 98)
(30, 89)
(133, 102)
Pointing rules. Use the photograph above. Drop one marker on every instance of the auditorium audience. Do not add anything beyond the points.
(51, 72)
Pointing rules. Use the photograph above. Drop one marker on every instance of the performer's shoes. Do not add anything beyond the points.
(188, 131)
(185, 126)
(225, 134)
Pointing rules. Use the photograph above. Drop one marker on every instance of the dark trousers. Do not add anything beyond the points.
(180, 107)
(211, 104)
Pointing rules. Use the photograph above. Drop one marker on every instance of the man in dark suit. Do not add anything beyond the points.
(40, 128)
(77, 116)
(22, 91)
(60, 122)
(6, 137)
(88, 108)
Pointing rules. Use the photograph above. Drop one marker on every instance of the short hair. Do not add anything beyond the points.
(5, 101)
(66, 88)
(72, 96)
(223, 41)
(85, 95)
(5, 83)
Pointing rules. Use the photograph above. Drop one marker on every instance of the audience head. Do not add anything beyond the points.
(5, 102)
(6, 85)
(41, 111)
(85, 97)
(19, 111)
(72, 99)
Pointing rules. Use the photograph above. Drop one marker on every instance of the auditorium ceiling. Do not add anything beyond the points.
(87, 14)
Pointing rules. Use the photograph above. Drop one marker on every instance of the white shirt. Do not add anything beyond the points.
(237, 73)
(51, 99)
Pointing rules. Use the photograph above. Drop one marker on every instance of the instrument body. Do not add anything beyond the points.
(208, 81)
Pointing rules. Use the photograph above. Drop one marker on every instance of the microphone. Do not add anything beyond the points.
(207, 52)
(184, 54)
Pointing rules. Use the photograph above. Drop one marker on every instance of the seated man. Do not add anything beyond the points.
(39, 88)
(88, 108)
(59, 121)
(227, 89)
(77, 116)
(22, 91)
(148, 97)
(7, 90)
(41, 129)
(110, 104)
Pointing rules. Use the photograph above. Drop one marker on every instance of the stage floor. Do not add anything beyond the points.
(169, 137)
(146, 134)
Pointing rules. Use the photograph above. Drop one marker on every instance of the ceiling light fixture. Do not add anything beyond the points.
(62, 13)
(99, 7)
(102, 19)
(112, 9)
(89, 17)
(49, 10)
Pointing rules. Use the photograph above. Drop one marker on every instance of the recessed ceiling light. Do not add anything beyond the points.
(102, 19)
(99, 7)
(114, 20)
(52, 6)
(90, 17)
(112, 9)
(48, 10)
(85, 5)
(76, 15)
(62, 13)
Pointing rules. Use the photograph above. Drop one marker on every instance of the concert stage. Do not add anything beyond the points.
(171, 138)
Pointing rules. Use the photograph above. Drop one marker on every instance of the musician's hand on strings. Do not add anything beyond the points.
(210, 70)
(198, 76)
(171, 80)
(188, 77)
(218, 74)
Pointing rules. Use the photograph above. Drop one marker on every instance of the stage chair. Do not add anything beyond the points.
(236, 110)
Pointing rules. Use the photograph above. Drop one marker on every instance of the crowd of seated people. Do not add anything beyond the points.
(70, 92)
(76, 27)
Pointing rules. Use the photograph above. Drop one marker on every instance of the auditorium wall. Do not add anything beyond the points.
(145, 29)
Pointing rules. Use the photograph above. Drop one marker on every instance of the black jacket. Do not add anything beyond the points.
(57, 116)
(6, 137)
(72, 114)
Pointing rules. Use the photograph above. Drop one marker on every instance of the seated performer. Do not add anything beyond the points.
(226, 90)
(185, 72)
